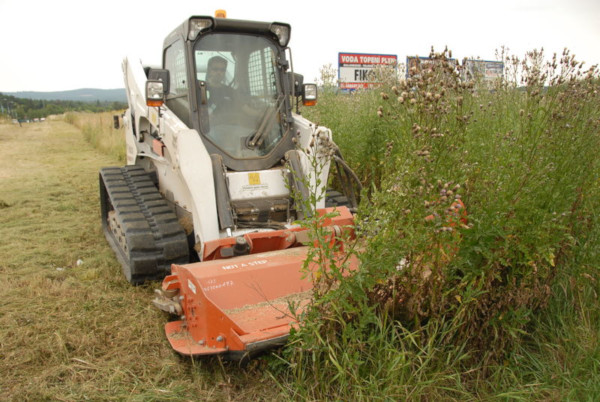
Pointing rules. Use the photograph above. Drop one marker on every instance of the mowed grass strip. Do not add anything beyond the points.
(75, 331)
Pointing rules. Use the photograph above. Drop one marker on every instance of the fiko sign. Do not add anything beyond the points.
(355, 70)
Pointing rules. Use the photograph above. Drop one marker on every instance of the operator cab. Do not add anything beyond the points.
(229, 80)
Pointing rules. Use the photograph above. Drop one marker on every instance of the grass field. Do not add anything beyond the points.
(79, 331)
(503, 307)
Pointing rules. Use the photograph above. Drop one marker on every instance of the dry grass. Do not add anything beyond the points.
(72, 331)
(98, 130)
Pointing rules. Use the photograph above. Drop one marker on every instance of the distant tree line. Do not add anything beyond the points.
(24, 109)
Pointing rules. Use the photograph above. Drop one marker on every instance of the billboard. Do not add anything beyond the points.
(486, 70)
(356, 70)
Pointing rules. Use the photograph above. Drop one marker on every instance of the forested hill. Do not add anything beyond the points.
(80, 95)
(32, 105)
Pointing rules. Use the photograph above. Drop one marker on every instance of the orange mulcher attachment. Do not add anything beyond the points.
(243, 304)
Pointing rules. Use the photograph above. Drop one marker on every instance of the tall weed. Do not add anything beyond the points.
(481, 208)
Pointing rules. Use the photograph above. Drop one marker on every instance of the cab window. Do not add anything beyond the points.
(243, 101)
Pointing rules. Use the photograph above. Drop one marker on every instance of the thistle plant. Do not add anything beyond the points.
(508, 156)
(480, 215)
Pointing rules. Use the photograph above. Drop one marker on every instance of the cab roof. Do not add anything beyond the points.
(222, 25)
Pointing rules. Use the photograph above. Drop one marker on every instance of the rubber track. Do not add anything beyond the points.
(154, 237)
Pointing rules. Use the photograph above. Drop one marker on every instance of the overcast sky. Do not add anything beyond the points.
(69, 44)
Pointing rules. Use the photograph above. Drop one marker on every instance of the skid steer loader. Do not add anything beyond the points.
(215, 152)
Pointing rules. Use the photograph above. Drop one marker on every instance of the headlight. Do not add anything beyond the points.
(309, 95)
(154, 93)
(197, 25)
(282, 31)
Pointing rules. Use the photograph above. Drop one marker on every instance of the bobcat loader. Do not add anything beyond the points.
(215, 153)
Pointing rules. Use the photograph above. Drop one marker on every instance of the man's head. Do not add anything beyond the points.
(215, 74)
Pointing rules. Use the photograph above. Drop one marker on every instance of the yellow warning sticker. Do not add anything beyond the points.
(254, 179)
